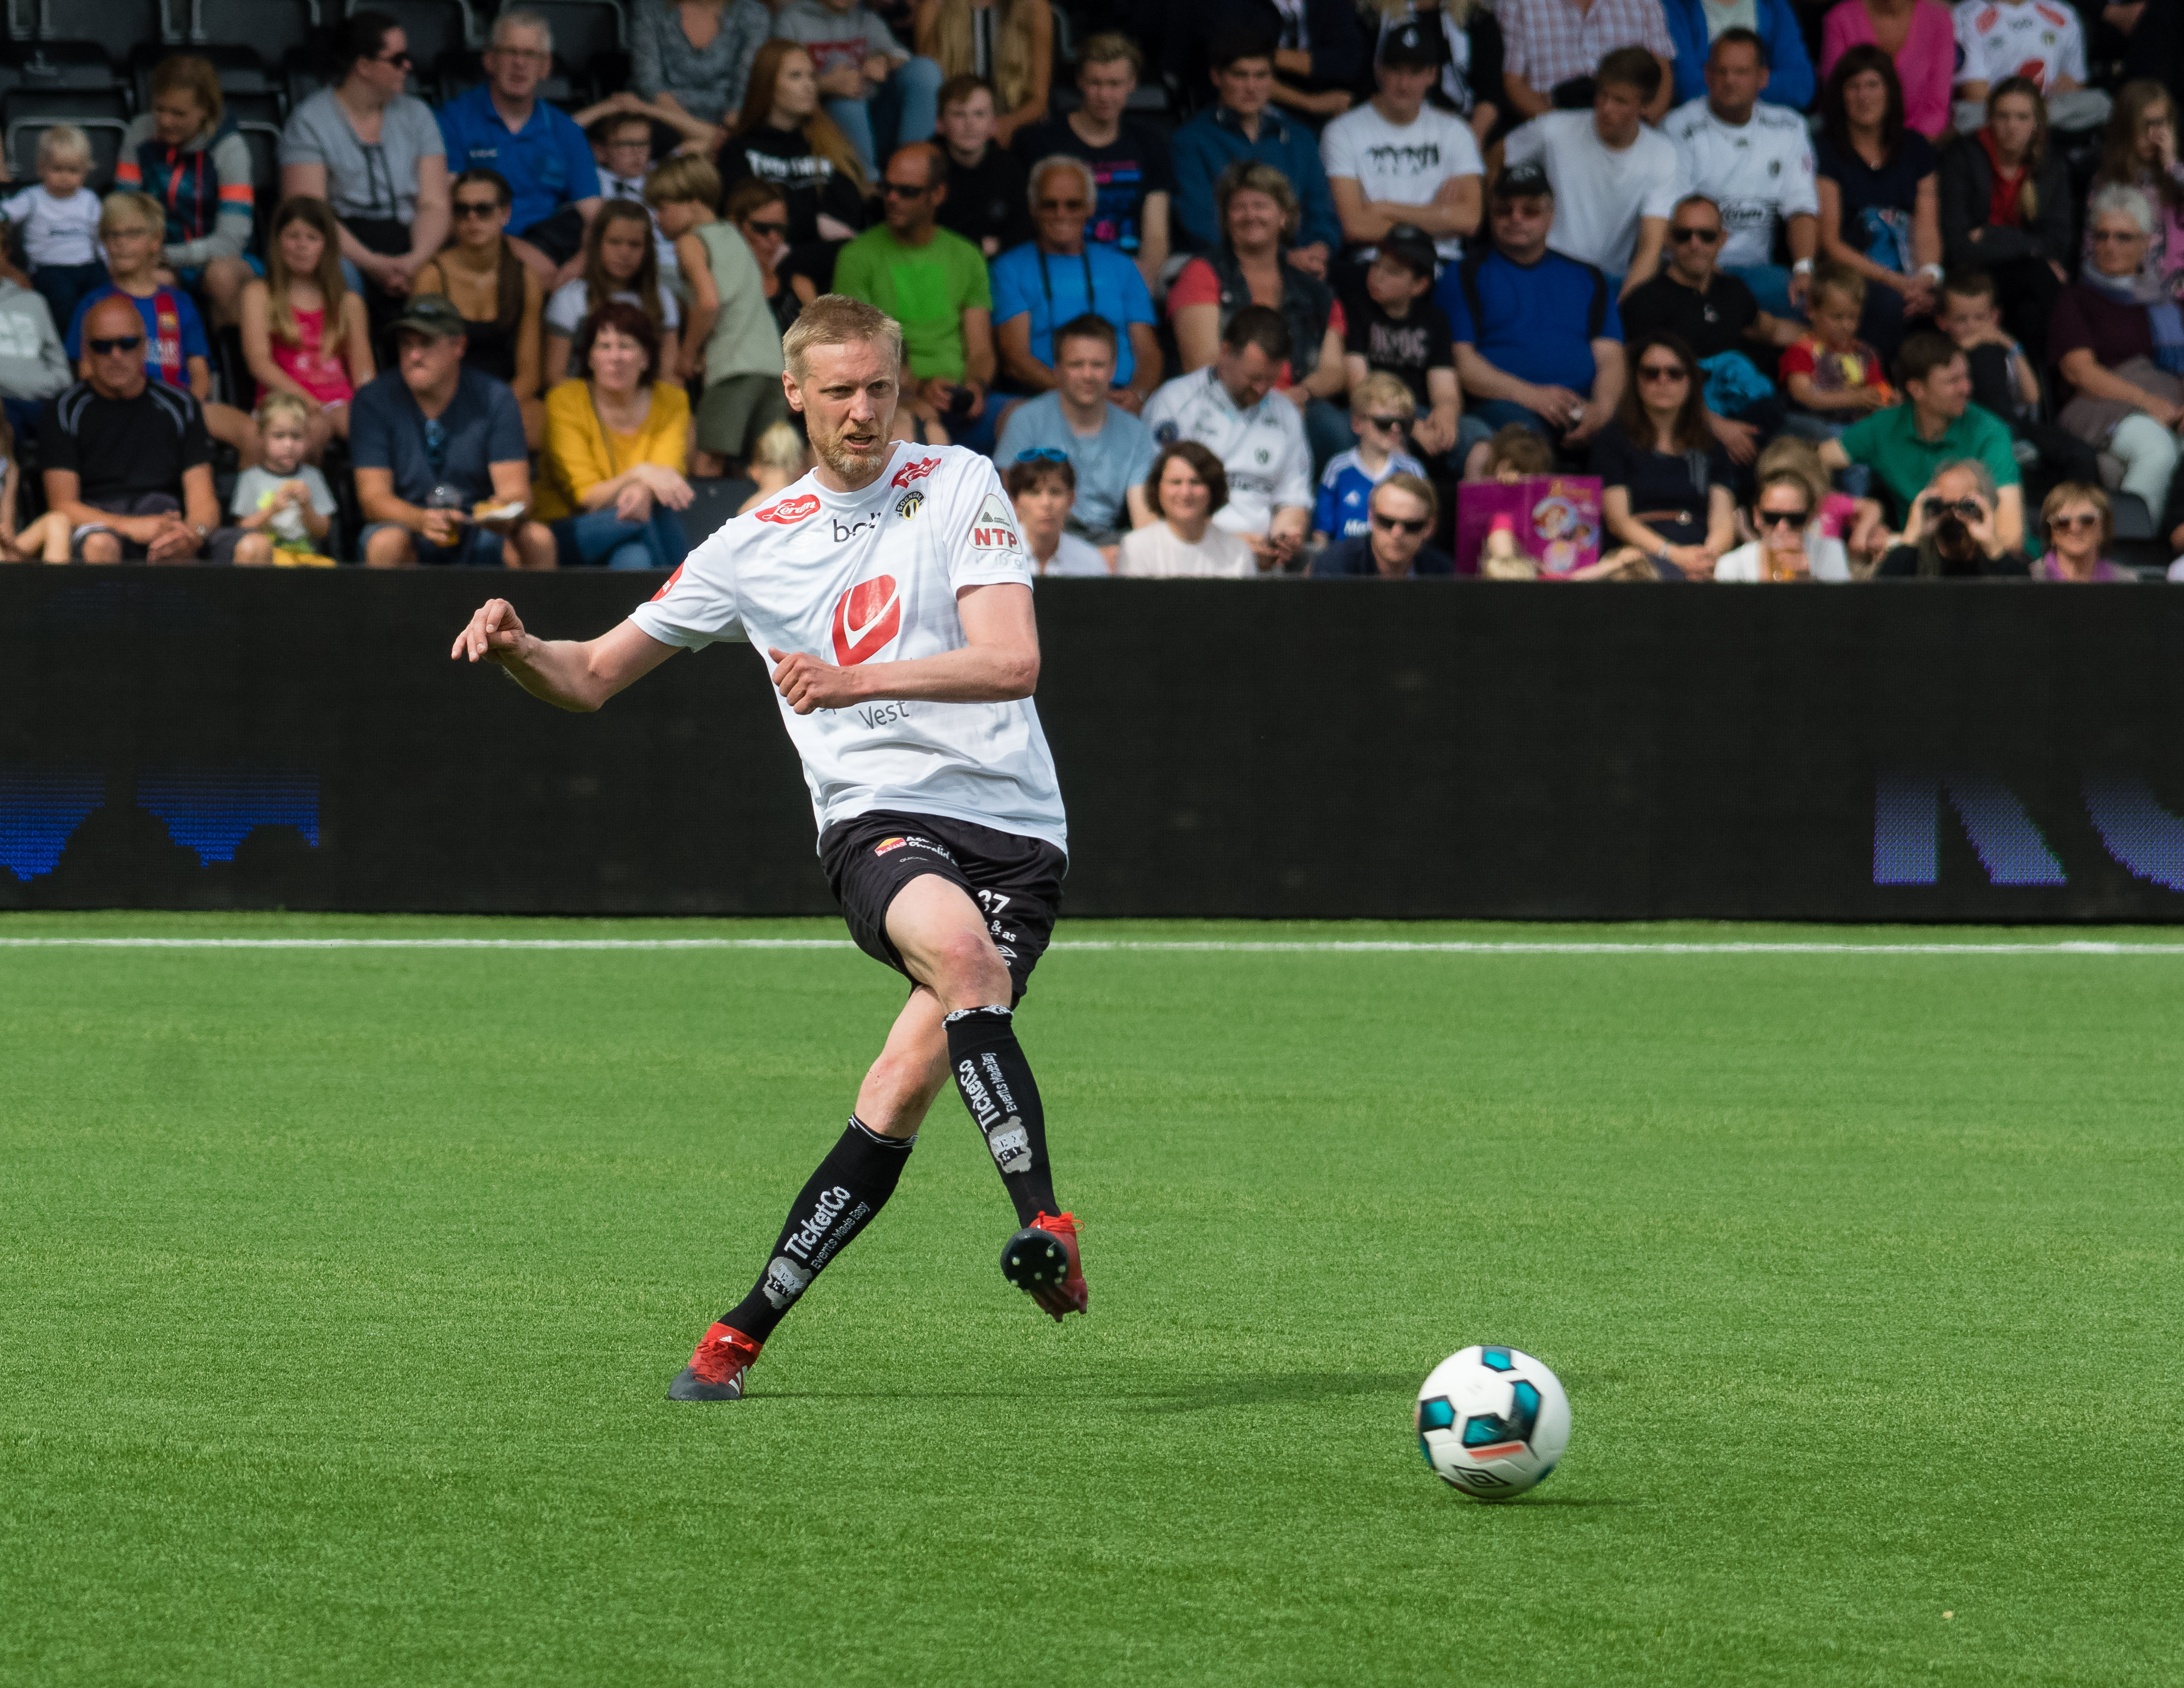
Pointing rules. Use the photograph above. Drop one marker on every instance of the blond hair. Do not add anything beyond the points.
(684, 177)
(1381, 388)
(1252, 175)
(1111, 46)
(1787, 454)
(1404, 481)
(275, 405)
(956, 55)
(835, 319)
(186, 73)
(64, 143)
(780, 447)
(124, 208)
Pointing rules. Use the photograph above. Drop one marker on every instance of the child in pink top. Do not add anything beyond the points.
(304, 333)
(1925, 64)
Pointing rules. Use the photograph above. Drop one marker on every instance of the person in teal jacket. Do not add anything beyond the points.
(1790, 80)
(1244, 127)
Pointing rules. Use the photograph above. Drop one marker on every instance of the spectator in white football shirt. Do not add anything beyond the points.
(1615, 181)
(1755, 161)
(1186, 490)
(1397, 160)
(2041, 40)
(1254, 433)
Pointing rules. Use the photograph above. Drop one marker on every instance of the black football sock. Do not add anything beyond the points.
(996, 1082)
(843, 1197)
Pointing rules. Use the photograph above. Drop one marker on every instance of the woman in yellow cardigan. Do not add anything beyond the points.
(616, 445)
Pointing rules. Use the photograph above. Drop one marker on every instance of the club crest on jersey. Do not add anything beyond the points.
(866, 617)
(914, 472)
(994, 528)
(909, 504)
(790, 510)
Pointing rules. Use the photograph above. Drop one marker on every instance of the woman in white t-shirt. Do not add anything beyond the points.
(1042, 484)
(1791, 545)
(1186, 486)
(621, 263)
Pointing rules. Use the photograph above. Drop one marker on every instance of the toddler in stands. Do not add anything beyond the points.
(1380, 409)
(1833, 376)
(286, 495)
(59, 222)
(777, 459)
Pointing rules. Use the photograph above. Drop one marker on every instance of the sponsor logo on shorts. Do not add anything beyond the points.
(909, 504)
(790, 510)
(867, 619)
(910, 841)
(888, 844)
(914, 472)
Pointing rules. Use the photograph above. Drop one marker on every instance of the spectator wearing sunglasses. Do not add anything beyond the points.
(1394, 544)
(1109, 450)
(375, 154)
(443, 475)
(1664, 479)
(1955, 528)
(1793, 543)
(2079, 524)
(1380, 413)
(1058, 276)
(127, 461)
(932, 282)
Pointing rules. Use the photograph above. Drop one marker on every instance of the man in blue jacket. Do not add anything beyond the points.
(1790, 80)
(1242, 127)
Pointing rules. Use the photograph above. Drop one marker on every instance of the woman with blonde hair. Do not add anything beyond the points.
(1010, 43)
(478, 272)
(304, 333)
(784, 136)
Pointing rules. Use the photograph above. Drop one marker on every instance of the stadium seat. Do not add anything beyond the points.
(443, 36)
(98, 105)
(241, 73)
(583, 30)
(271, 30)
(67, 67)
(104, 134)
(116, 27)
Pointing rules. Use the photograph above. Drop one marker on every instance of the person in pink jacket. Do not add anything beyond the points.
(1919, 35)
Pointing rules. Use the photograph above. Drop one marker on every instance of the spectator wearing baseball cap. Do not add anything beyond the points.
(1538, 342)
(443, 475)
(1392, 326)
(1466, 39)
(1396, 160)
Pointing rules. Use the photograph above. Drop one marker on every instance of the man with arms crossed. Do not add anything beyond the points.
(940, 822)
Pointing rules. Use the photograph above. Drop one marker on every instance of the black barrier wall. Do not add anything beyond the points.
(185, 738)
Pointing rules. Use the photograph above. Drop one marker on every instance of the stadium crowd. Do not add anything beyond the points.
(1815, 292)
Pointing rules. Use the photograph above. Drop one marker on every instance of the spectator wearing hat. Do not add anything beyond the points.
(1754, 160)
(1110, 450)
(443, 475)
(1551, 51)
(1393, 546)
(1538, 341)
(1396, 160)
(1241, 129)
(1615, 181)
(1392, 326)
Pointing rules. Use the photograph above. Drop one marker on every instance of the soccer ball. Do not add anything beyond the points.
(1492, 1422)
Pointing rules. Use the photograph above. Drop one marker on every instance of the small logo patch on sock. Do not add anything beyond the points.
(785, 1281)
(1012, 1146)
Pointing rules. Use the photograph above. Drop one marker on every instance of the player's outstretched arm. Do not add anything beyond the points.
(998, 664)
(568, 673)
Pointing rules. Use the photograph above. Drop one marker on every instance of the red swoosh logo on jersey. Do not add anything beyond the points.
(914, 472)
(789, 511)
(670, 586)
(866, 617)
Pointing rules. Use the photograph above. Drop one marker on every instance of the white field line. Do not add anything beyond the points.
(1213, 946)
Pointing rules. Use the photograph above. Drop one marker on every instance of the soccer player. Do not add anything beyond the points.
(892, 592)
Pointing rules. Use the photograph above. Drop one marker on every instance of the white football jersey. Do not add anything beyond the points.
(1760, 173)
(872, 576)
(1263, 448)
(2042, 39)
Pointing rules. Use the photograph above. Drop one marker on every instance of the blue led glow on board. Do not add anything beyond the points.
(1907, 819)
(40, 809)
(2139, 833)
(212, 813)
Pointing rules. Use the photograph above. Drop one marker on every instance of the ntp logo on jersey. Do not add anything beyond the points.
(994, 528)
(866, 617)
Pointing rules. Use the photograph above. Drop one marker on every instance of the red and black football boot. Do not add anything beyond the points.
(1042, 1260)
(715, 1371)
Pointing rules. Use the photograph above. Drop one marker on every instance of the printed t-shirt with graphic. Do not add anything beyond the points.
(1837, 371)
(1760, 172)
(173, 332)
(1263, 450)
(927, 288)
(1403, 164)
(2038, 39)
(1408, 347)
(1879, 202)
(254, 489)
(871, 577)
(1345, 492)
(1128, 168)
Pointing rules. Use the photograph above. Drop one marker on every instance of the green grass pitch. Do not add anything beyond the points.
(343, 1287)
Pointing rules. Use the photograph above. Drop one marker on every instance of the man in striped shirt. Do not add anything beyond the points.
(1552, 48)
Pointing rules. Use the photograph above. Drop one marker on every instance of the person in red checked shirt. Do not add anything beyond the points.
(890, 589)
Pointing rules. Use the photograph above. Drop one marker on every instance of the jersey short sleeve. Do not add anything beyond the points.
(984, 545)
(698, 604)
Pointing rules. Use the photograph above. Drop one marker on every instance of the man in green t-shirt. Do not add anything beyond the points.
(1906, 444)
(932, 282)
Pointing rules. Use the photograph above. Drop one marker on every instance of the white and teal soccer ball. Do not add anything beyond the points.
(1492, 1422)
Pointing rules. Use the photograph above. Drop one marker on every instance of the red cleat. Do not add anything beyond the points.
(1042, 1260)
(715, 1371)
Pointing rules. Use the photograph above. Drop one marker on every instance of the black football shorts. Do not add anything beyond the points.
(1016, 880)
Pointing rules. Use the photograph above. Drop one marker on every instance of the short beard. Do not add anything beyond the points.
(853, 467)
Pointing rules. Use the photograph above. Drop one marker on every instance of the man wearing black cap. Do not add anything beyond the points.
(442, 472)
(1538, 341)
(1396, 160)
(1392, 326)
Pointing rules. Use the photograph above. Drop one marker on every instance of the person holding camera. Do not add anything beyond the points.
(1952, 532)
